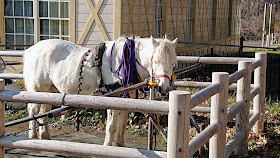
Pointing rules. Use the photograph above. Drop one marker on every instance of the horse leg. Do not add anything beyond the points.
(33, 109)
(110, 127)
(121, 124)
(44, 130)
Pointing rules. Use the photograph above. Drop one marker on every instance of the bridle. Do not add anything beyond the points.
(153, 72)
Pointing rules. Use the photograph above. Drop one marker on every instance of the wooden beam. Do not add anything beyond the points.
(259, 100)
(219, 102)
(212, 60)
(231, 145)
(254, 119)
(11, 76)
(203, 137)
(12, 53)
(178, 124)
(254, 92)
(193, 84)
(72, 21)
(93, 17)
(256, 64)
(205, 94)
(242, 118)
(85, 101)
(237, 107)
(237, 75)
(81, 149)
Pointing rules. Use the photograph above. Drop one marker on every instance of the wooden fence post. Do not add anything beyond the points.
(178, 124)
(2, 117)
(150, 125)
(217, 143)
(242, 118)
(259, 99)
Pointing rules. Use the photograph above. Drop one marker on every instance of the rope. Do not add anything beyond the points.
(126, 71)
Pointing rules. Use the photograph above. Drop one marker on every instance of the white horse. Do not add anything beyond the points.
(54, 66)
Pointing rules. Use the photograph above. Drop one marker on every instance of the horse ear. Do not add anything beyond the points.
(175, 42)
(155, 43)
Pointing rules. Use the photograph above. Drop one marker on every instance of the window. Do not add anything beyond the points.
(213, 10)
(19, 23)
(158, 18)
(190, 20)
(54, 19)
(229, 17)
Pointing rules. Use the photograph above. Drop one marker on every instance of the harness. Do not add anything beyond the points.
(97, 62)
(126, 72)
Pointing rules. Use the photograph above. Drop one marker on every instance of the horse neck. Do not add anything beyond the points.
(144, 56)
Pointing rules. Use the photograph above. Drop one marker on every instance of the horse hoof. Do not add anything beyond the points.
(45, 136)
(107, 144)
(32, 136)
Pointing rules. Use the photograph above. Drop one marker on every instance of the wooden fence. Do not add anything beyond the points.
(178, 109)
(218, 90)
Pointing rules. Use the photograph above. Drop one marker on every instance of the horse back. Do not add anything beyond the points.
(52, 63)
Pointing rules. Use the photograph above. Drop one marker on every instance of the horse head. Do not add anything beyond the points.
(163, 61)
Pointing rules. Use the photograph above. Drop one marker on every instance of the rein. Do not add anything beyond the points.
(127, 67)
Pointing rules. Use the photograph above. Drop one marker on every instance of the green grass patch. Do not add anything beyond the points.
(12, 115)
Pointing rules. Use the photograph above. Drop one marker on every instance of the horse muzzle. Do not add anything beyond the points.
(164, 92)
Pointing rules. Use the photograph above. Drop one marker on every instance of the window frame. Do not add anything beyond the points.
(229, 26)
(190, 20)
(59, 19)
(158, 20)
(213, 19)
(63, 22)
(14, 33)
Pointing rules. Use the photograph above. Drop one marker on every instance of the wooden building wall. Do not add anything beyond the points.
(175, 19)
(137, 17)
(202, 27)
(94, 21)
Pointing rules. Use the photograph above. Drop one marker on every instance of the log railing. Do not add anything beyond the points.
(178, 108)
(219, 114)
(178, 105)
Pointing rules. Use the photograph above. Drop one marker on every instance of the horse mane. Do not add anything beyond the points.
(166, 52)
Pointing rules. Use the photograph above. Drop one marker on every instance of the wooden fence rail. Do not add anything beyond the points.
(11, 76)
(12, 53)
(82, 149)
